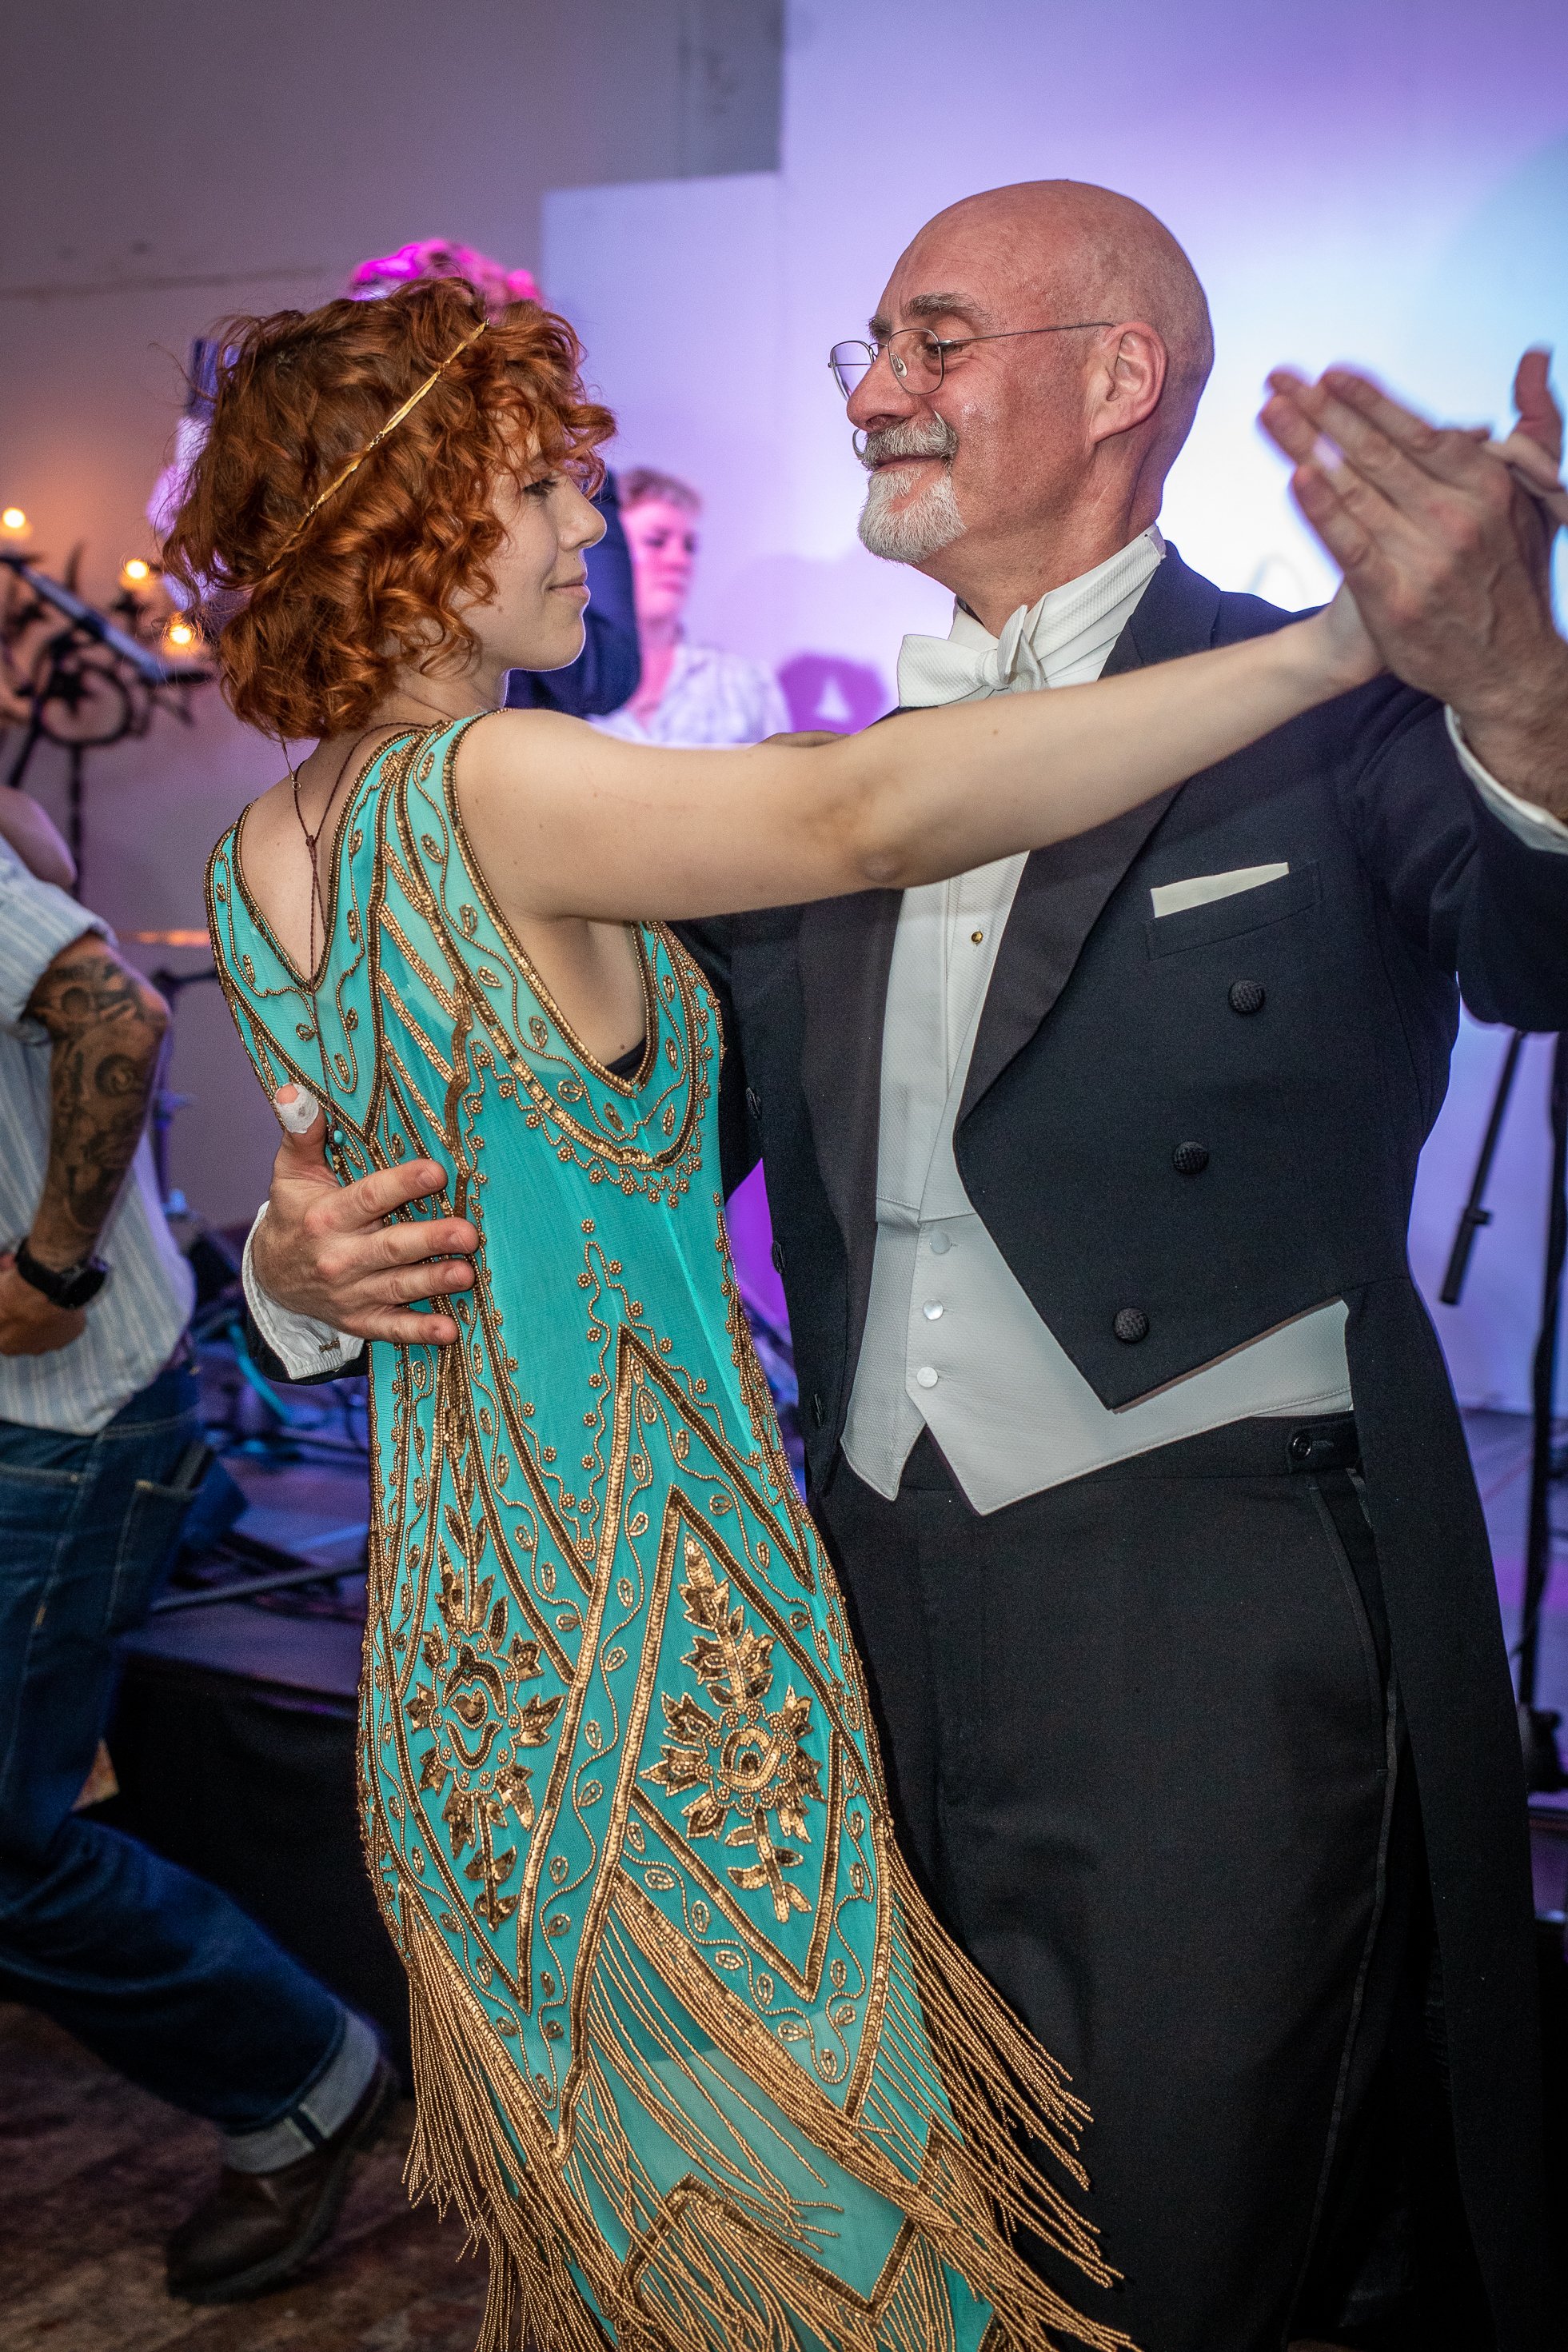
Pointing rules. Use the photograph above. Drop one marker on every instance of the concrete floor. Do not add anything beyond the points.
(93, 2173)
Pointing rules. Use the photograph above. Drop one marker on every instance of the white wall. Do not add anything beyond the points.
(166, 165)
(1388, 183)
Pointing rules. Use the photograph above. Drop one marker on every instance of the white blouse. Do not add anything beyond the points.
(711, 700)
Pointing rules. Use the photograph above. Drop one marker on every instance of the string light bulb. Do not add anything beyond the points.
(135, 572)
(180, 636)
(14, 520)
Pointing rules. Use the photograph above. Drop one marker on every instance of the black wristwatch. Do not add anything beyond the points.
(67, 1286)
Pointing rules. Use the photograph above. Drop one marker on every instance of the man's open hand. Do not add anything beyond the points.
(327, 1249)
(1445, 553)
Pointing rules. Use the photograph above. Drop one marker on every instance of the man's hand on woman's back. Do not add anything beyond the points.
(341, 1254)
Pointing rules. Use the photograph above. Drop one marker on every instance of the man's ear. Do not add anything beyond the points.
(1130, 379)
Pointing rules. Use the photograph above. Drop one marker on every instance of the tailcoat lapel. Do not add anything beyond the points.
(845, 948)
(1063, 891)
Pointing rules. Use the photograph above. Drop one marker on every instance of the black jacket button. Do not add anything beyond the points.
(1131, 1326)
(1247, 996)
(779, 1255)
(819, 1412)
(753, 1102)
(1190, 1159)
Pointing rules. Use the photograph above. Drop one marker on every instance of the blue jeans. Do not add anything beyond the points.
(158, 1972)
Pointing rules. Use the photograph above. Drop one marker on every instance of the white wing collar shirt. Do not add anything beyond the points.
(952, 1341)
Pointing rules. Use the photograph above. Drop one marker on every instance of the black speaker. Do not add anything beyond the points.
(250, 1781)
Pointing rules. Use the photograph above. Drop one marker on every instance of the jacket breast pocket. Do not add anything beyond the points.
(1232, 917)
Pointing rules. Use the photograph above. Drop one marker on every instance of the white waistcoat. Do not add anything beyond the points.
(952, 1342)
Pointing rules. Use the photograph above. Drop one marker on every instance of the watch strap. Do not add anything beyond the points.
(66, 1286)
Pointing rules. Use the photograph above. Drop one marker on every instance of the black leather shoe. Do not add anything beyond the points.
(257, 2229)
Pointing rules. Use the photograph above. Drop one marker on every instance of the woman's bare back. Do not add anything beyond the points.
(591, 969)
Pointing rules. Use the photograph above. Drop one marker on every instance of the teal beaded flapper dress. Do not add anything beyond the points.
(693, 2059)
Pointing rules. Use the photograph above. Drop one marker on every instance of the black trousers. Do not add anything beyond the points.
(1145, 1749)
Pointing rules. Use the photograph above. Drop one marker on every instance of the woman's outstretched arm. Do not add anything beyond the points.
(567, 822)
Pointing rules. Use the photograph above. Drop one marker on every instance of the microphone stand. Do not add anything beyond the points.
(1473, 1216)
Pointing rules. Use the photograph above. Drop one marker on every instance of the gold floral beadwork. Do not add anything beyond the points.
(620, 1792)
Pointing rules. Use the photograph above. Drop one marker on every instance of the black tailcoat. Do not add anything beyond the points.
(1106, 1040)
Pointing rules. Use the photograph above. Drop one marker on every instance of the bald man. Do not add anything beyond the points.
(1090, 1174)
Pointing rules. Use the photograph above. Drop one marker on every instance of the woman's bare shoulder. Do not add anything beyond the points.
(512, 761)
(268, 812)
(264, 824)
(505, 744)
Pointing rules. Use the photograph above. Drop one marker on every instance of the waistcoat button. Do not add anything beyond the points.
(1247, 995)
(1131, 1326)
(927, 1375)
(1190, 1159)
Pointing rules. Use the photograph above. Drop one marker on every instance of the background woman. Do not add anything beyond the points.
(689, 695)
(691, 2053)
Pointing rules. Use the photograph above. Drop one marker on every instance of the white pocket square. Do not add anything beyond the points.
(1203, 889)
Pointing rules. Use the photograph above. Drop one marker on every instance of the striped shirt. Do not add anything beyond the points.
(134, 1323)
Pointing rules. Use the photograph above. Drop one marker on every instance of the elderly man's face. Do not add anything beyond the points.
(1000, 449)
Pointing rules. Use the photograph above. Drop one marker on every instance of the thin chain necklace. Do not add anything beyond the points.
(313, 840)
(317, 896)
(317, 901)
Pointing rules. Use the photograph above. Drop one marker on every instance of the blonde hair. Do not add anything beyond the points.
(643, 484)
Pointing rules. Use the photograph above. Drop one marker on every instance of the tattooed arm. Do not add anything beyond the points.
(106, 1025)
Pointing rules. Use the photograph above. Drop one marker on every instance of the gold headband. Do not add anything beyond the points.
(374, 443)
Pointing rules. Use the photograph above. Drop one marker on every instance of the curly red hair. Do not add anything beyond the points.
(311, 635)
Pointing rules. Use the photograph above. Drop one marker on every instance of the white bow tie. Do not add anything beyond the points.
(937, 669)
(1068, 626)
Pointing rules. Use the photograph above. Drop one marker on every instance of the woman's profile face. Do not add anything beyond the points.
(663, 543)
(534, 620)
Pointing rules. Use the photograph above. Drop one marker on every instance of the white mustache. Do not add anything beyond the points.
(916, 437)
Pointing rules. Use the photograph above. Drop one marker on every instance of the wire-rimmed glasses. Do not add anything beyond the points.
(919, 357)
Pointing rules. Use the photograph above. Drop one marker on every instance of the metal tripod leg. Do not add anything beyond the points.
(1538, 1725)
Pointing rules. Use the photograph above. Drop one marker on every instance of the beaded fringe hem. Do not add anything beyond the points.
(733, 2271)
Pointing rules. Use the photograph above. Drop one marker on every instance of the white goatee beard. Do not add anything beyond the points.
(912, 533)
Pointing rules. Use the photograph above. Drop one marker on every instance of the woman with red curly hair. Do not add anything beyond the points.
(606, 673)
(694, 2057)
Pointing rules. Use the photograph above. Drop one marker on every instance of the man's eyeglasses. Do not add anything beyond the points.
(919, 359)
